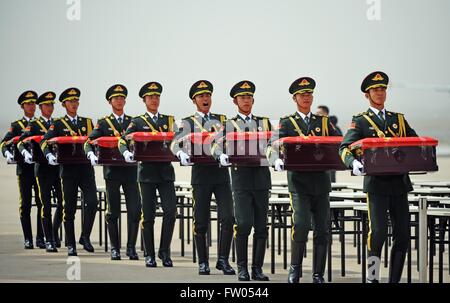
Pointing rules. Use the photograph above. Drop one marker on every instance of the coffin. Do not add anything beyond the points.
(151, 146)
(247, 148)
(382, 156)
(198, 147)
(69, 150)
(310, 153)
(32, 145)
(107, 151)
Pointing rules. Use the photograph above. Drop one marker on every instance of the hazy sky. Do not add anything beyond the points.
(268, 42)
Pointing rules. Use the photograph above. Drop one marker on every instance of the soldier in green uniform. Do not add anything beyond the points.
(250, 185)
(47, 176)
(387, 192)
(309, 191)
(117, 176)
(154, 176)
(74, 176)
(207, 179)
(25, 172)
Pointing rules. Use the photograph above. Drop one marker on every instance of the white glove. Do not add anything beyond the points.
(27, 157)
(51, 159)
(357, 168)
(279, 165)
(128, 156)
(184, 158)
(224, 161)
(9, 157)
(93, 158)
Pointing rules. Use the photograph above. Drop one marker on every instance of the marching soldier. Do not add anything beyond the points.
(309, 191)
(387, 192)
(117, 176)
(207, 179)
(250, 185)
(25, 172)
(47, 176)
(74, 176)
(154, 176)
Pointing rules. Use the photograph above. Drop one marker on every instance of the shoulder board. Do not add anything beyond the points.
(360, 114)
(389, 113)
(319, 116)
(287, 116)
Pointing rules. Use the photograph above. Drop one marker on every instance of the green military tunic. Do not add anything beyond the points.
(309, 191)
(207, 179)
(154, 176)
(386, 192)
(74, 176)
(47, 177)
(250, 184)
(116, 177)
(26, 180)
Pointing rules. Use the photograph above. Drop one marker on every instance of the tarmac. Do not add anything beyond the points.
(20, 265)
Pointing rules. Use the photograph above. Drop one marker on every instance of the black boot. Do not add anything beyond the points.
(224, 251)
(396, 264)
(259, 250)
(40, 241)
(115, 254)
(202, 252)
(57, 221)
(86, 242)
(149, 241)
(150, 261)
(69, 228)
(48, 232)
(71, 250)
(50, 247)
(165, 258)
(319, 261)
(133, 229)
(113, 230)
(27, 232)
(241, 258)
(28, 244)
(88, 223)
(295, 270)
(131, 253)
(168, 225)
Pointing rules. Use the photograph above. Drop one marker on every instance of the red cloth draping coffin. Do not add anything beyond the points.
(107, 151)
(247, 148)
(396, 155)
(32, 145)
(152, 146)
(69, 150)
(198, 147)
(313, 153)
